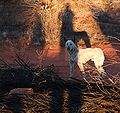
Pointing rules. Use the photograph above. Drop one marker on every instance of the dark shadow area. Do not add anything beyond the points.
(67, 32)
(50, 95)
(109, 22)
(9, 26)
(69, 98)
(67, 26)
(13, 103)
(38, 33)
(19, 23)
(20, 78)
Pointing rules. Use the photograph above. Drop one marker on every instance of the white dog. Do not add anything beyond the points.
(81, 56)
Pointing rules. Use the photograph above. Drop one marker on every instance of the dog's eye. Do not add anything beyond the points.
(70, 44)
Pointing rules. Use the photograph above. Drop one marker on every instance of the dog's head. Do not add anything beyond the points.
(70, 45)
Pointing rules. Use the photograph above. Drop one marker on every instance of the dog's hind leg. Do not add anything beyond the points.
(98, 64)
(100, 69)
(81, 67)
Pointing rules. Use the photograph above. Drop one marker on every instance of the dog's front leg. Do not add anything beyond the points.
(81, 67)
(71, 69)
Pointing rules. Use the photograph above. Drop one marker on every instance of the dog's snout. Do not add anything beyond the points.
(68, 48)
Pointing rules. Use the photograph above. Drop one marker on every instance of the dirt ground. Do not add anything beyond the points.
(58, 56)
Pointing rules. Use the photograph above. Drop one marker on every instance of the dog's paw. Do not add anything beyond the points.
(83, 72)
(103, 73)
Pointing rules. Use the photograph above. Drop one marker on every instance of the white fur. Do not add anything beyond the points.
(81, 56)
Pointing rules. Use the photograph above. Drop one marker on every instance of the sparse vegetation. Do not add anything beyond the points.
(27, 26)
(39, 20)
(53, 94)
